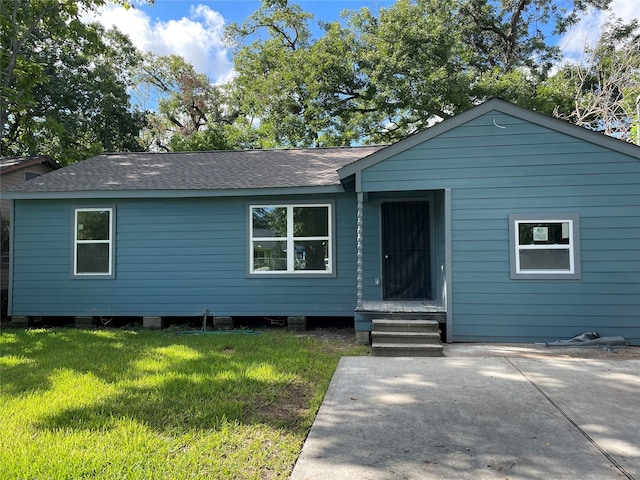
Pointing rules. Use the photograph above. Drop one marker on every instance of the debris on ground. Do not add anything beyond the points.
(588, 339)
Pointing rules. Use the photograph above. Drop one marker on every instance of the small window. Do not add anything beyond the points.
(544, 246)
(290, 239)
(93, 242)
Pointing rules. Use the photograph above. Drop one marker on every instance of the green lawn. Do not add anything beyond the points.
(155, 405)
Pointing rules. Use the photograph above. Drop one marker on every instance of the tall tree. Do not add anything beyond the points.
(64, 83)
(191, 112)
(604, 87)
(412, 64)
(381, 76)
(510, 34)
(271, 88)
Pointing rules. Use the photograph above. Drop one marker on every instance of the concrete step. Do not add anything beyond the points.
(431, 338)
(405, 338)
(387, 325)
(406, 350)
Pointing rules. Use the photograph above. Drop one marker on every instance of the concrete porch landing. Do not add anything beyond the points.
(402, 306)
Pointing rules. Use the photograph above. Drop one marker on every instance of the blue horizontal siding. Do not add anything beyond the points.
(593, 279)
(541, 191)
(510, 303)
(527, 168)
(503, 169)
(532, 334)
(440, 155)
(173, 258)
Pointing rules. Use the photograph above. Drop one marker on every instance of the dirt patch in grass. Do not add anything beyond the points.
(288, 410)
(336, 340)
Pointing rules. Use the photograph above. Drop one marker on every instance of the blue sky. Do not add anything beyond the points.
(238, 10)
(194, 28)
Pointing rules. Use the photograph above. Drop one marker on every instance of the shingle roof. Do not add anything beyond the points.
(218, 170)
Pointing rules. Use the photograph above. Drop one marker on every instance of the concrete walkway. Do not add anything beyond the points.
(476, 417)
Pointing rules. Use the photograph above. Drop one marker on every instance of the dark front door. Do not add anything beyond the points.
(405, 251)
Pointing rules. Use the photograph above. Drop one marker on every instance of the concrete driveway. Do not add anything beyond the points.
(464, 416)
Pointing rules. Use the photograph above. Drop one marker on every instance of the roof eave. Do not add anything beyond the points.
(238, 192)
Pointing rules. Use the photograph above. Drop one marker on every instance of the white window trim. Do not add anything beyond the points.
(573, 246)
(568, 246)
(76, 242)
(290, 241)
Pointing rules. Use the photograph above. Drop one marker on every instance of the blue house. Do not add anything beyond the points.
(503, 224)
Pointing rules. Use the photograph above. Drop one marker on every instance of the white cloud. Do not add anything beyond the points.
(582, 35)
(198, 38)
(626, 9)
(587, 31)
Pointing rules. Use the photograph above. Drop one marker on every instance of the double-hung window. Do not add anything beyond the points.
(544, 246)
(291, 239)
(93, 242)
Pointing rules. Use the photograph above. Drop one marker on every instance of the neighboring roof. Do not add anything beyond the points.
(493, 104)
(196, 173)
(10, 164)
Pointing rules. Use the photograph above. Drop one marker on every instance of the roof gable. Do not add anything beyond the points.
(492, 105)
